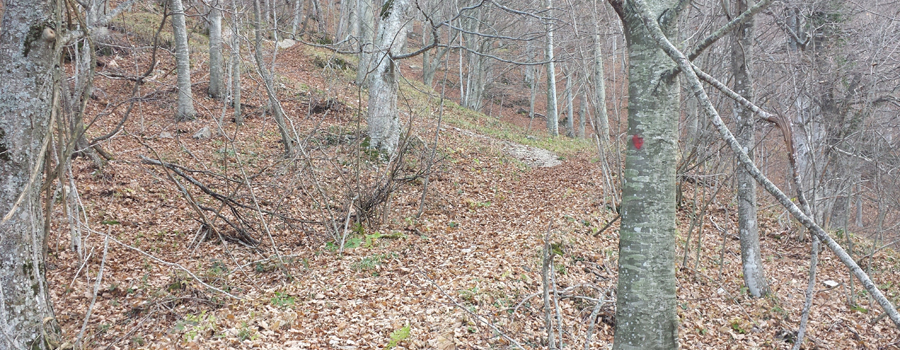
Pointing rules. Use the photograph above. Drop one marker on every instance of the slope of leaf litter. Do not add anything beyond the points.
(477, 245)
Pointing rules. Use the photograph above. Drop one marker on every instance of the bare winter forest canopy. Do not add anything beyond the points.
(471, 174)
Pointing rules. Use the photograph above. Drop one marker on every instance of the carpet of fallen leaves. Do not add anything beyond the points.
(463, 275)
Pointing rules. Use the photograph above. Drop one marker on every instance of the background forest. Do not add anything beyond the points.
(344, 174)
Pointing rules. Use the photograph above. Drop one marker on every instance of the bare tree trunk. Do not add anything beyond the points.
(691, 72)
(529, 69)
(236, 64)
(347, 22)
(28, 82)
(185, 109)
(298, 13)
(751, 260)
(76, 100)
(582, 112)
(277, 112)
(383, 119)
(366, 27)
(599, 81)
(645, 300)
(570, 106)
(430, 64)
(216, 60)
(552, 113)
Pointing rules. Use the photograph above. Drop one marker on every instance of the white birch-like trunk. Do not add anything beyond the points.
(383, 119)
(570, 107)
(185, 107)
(751, 259)
(599, 81)
(216, 60)
(552, 112)
(28, 91)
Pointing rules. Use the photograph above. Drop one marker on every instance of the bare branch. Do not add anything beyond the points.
(712, 38)
(803, 218)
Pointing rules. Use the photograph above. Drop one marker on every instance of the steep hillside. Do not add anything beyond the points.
(218, 240)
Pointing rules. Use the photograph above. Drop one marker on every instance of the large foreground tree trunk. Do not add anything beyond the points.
(645, 304)
(751, 260)
(185, 110)
(28, 83)
(384, 123)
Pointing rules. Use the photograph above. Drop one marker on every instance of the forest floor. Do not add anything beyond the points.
(464, 274)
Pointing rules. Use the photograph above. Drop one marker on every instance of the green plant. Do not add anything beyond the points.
(738, 326)
(137, 340)
(283, 300)
(372, 238)
(398, 336)
(468, 294)
(194, 325)
(246, 333)
(370, 262)
(350, 243)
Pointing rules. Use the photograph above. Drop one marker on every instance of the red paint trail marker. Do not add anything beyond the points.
(637, 141)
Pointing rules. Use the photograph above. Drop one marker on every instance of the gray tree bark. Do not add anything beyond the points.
(185, 108)
(552, 112)
(298, 12)
(216, 60)
(366, 28)
(692, 72)
(582, 112)
(570, 106)
(430, 64)
(277, 111)
(751, 260)
(236, 65)
(599, 81)
(383, 119)
(28, 83)
(645, 304)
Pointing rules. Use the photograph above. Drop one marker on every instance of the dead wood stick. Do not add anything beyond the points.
(608, 224)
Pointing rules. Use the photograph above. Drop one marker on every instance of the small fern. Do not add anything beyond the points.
(398, 336)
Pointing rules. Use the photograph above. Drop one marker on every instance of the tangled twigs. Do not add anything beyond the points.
(241, 224)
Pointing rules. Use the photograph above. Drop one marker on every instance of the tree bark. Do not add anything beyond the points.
(600, 88)
(28, 81)
(751, 260)
(298, 12)
(185, 109)
(645, 304)
(216, 71)
(582, 112)
(236, 65)
(366, 28)
(383, 120)
(691, 72)
(277, 112)
(552, 112)
(570, 106)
